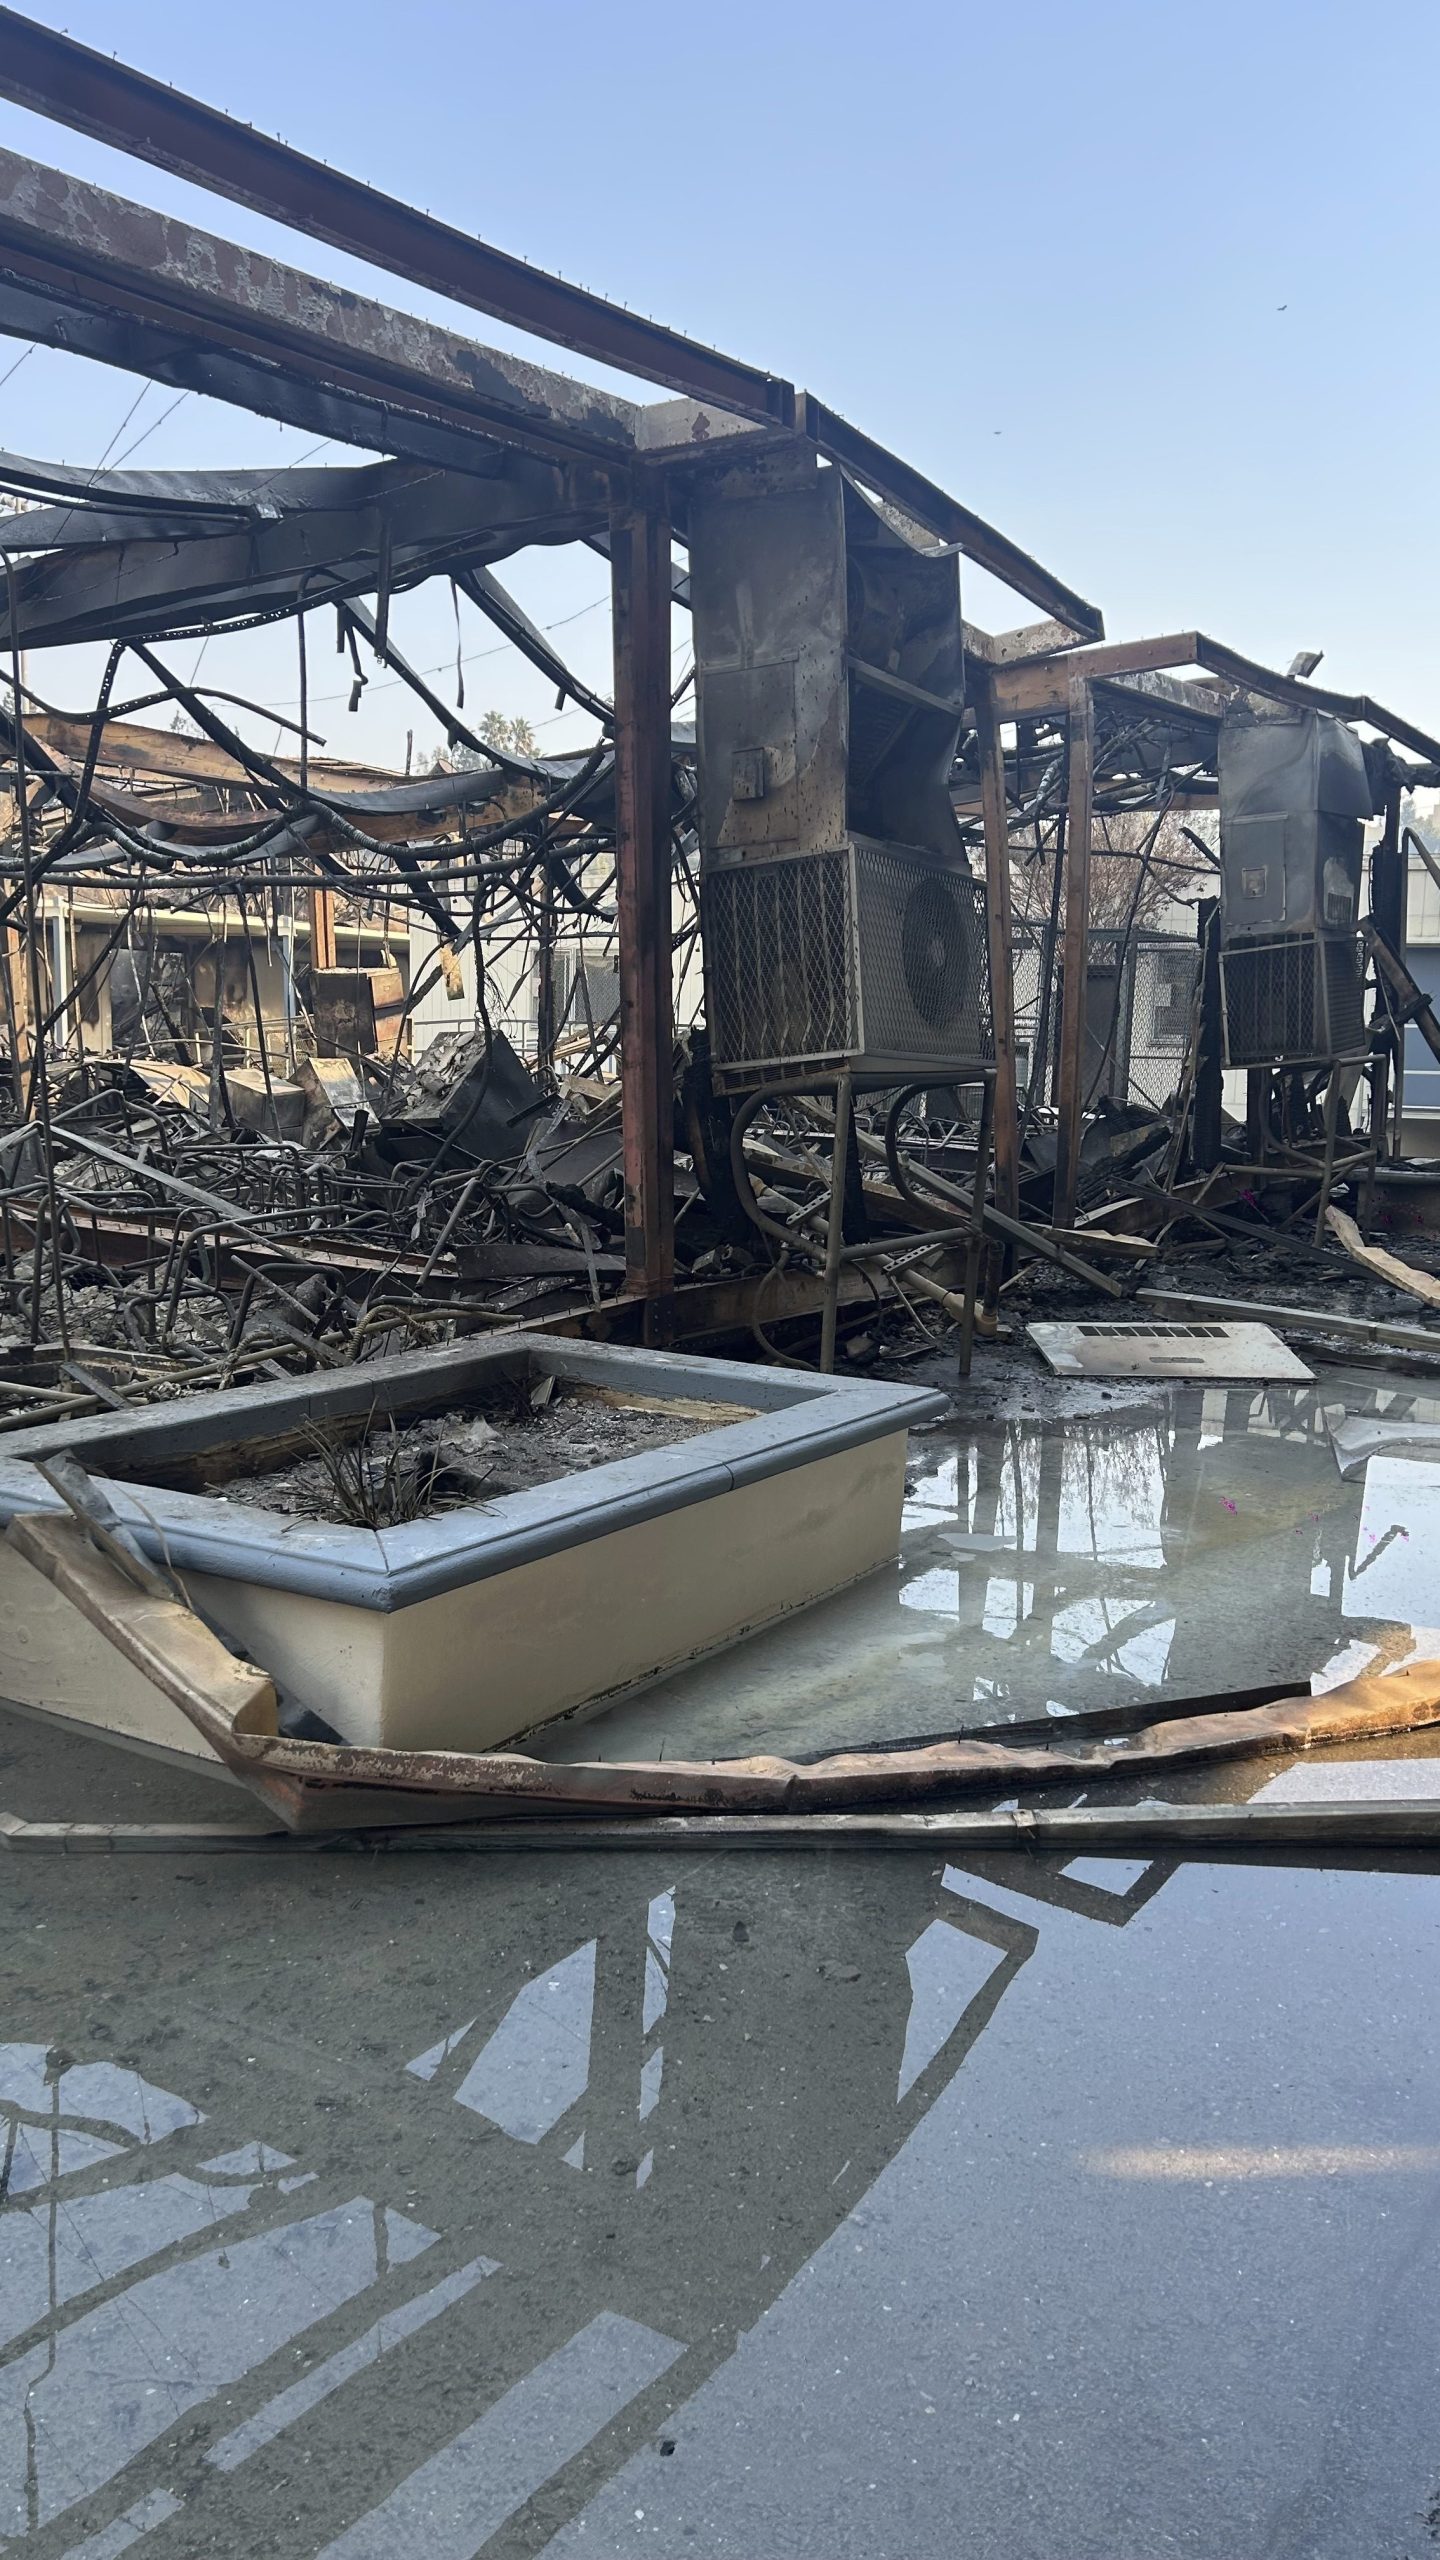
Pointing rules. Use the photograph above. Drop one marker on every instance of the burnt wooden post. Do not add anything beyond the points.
(1078, 814)
(640, 589)
(1000, 927)
(322, 930)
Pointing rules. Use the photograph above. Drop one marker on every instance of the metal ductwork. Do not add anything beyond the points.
(842, 925)
(1295, 793)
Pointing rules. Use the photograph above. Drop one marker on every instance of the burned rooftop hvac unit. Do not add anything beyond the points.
(1294, 796)
(842, 926)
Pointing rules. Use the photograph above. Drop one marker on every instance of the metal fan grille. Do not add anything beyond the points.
(779, 961)
(924, 959)
(1296, 998)
(1345, 996)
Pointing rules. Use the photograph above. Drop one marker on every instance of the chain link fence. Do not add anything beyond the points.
(1139, 998)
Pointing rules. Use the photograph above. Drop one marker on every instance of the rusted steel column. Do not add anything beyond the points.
(1078, 813)
(1389, 905)
(640, 588)
(1000, 926)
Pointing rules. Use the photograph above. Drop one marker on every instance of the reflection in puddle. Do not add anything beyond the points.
(80, 2408)
(451, 2505)
(1397, 1549)
(323, 2379)
(535, 2066)
(1194, 1543)
(101, 2091)
(47, 2259)
(946, 1970)
(182, 2344)
(35, 2155)
(1198, 1540)
(138, 2520)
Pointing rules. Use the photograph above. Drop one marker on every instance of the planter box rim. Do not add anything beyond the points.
(800, 1417)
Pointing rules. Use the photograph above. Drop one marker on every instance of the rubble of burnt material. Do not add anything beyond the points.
(390, 1471)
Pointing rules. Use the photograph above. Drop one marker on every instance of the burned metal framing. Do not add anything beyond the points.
(86, 270)
(1060, 688)
(89, 271)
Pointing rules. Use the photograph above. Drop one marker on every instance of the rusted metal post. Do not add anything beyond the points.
(1078, 811)
(322, 930)
(1000, 925)
(1205, 1143)
(640, 588)
(1389, 901)
(835, 1223)
(545, 1033)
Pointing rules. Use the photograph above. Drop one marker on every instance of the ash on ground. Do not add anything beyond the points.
(396, 1472)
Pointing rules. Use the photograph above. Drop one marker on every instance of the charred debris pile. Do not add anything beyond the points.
(868, 980)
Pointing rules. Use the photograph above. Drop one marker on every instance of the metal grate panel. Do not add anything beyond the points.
(872, 954)
(779, 961)
(1344, 964)
(1299, 998)
(1159, 1000)
(1166, 1351)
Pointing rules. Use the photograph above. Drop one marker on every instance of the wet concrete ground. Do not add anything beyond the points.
(1066, 1544)
(819, 2203)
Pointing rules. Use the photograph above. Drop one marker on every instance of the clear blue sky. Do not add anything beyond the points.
(1153, 287)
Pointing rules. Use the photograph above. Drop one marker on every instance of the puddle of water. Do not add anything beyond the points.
(81, 2406)
(667, 2130)
(643, 2111)
(1199, 1539)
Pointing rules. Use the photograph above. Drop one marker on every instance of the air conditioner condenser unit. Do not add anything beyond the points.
(1297, 999)
(870, 956)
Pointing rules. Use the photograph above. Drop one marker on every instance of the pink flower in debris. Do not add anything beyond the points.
(1229, 1505)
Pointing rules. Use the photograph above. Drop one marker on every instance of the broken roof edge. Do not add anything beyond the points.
(1037, 684)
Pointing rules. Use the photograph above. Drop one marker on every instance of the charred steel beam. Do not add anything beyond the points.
(359, 615)
(81, 245)
(82, 318)
(202, 493)
(942, 515)
(1233, 669)
(113, 104)
(501, 608)
(139, 587)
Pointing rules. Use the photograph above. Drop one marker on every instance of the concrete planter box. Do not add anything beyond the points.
(476, 1625)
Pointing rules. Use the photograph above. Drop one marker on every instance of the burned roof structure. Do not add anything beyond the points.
(954, 753)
